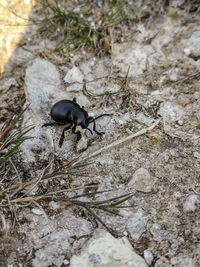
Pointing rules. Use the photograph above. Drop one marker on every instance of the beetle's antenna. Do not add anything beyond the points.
(94, 119)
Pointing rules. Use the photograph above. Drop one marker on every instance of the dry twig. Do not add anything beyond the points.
(120, 141)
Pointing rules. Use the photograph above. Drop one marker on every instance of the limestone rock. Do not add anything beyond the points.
(103, 250)
(193, 44)
(148, 256)
(136, 224)
(132, 56)
(75, 76)
(171, 112)
(142, 181)
(190, 204)
(42, 82)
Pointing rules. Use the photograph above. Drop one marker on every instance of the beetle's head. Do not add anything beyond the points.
(90, 119)
(84, 124)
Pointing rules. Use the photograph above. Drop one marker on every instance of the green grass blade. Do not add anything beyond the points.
(93, 214)
(109, 211)
(11, 152)
(116, 204)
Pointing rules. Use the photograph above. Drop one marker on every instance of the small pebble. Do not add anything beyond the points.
(62, 182)
(128, 131)
(187, 51)
(92, 24)
(65, 262)
(37, 211)
(120, 122)
(82, 144)
(173, 77)
(142, 181)
(92, 63)
(125, 233)
(148, 256)
(180, 122)
(196, 155)
(162, 262)
(190, 204)
(166, 157)
(54, 205)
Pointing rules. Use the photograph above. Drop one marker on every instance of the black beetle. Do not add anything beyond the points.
(69, 112)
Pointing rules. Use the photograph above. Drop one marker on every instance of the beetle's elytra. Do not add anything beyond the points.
(69, 112)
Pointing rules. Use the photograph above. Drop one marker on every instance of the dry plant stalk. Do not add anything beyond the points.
(5, 226)
(121, 141)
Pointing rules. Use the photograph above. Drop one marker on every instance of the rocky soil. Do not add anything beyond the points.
(161, 55)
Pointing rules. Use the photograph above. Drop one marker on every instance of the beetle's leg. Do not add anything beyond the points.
(63, 135)
(74, 99)
(78, 133)
(94, 129)
(89, 130)
(52, 124)
(48, 124)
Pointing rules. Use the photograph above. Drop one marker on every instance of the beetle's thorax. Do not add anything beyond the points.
(66, 111)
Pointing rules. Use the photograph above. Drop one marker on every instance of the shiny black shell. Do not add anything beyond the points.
(67, 111)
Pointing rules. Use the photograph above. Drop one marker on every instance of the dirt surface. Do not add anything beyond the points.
(159, 46)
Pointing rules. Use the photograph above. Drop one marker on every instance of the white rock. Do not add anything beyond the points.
(92, 63)
(125, 233)
(183, 262)
(120, 122)
(54, 205)
(62, 182)
(142, 181)
(148, 256)
(171, 111)
(131, 55)
(53, 250)
(173, 75)
(66, 262)
(104, 250)
(82, 143)
(42, 82)
(193, 44)
(158, 233)
(74, 76)
(187, 51)
(190, 204)
(137, 224)
(53, 239)
(163, 39)
(180, 122)
(162, 262)
(196, 154)
(37, 211)
(85, 68)
(141, 118)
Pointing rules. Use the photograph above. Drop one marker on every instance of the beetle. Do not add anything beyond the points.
(69, 112)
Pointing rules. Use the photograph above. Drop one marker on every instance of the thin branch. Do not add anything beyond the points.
(120, 141)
